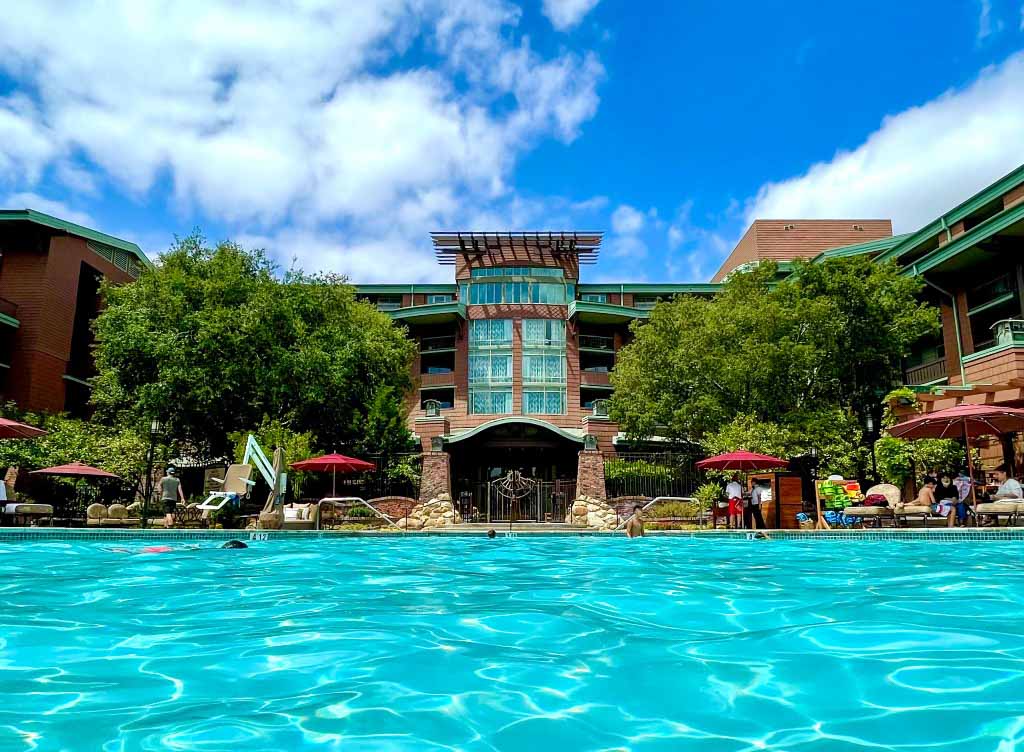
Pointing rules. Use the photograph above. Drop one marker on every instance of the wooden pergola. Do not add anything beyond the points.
(508, 246)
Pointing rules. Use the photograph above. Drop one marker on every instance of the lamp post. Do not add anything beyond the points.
(872, 438)
(154, 432)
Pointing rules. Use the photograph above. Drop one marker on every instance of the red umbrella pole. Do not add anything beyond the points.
(970, 474)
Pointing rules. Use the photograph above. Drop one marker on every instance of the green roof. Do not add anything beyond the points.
(45, 220)
(872, 246)
(698, 288)
(404, 289)
(974, 203)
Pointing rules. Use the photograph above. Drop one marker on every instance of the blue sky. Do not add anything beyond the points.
(338, 135)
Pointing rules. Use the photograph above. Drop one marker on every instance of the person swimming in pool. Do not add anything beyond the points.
(170, 549)
(635, 525)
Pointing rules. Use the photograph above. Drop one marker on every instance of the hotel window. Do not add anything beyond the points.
(492, 293)
(549, 332)
(439, 298)
(490, 366)
(517, 271)
(388, 302)
(544, 366)
(544, 401)
(988, 303)
(595, 297)
(645, 302)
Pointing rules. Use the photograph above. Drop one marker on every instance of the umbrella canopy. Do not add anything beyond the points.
(75, 470)
(12, 429)
(960, 421)
(742, 461)
(334, 463)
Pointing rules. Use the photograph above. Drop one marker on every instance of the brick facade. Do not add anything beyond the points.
(40, 275)
(590, 475)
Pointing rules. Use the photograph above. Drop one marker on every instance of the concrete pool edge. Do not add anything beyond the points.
(8, 534)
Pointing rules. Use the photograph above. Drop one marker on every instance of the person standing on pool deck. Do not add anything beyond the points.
(734, 495)
(752, 513)
(170, 492)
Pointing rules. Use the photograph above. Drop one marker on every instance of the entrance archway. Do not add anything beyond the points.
(537, 450)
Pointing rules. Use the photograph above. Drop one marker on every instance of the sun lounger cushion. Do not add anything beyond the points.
(1001, 507)
(96, 512)
(28, 509)
(913, 509)
(868, 511)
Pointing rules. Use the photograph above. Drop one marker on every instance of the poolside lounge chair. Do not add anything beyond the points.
(116, 515)
(301, 517)
(877, 515)
(1008, 508)
(236, 485)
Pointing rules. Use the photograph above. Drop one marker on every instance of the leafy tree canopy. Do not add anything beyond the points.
(212, 342)
(775, 366)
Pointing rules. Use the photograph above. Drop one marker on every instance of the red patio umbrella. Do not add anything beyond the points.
(12, 429)
(741, 461)
(962, 421)
(75, 470)
(335, 463)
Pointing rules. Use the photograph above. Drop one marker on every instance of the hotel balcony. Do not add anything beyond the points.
(925, 373)
(1003, 361)
(432, 380)
(437, 344)
(430, 313)
(595, 379)
(595, 343)
(604, 313)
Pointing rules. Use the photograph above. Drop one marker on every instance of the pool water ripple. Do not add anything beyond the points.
(513, 644)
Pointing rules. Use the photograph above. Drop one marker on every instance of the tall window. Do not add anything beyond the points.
(490, 366)
(988, 303)
(544, 366)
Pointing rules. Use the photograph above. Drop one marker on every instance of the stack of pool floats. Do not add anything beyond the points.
(839, 494)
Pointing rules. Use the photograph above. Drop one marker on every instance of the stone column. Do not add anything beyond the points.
(590, 474)
(437, 477)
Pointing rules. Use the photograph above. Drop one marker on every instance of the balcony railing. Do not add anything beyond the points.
(437, 379)
(925, 373)
(595, 342)
(595, 378)
(437, 344)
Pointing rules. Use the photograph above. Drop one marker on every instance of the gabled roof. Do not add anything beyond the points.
(961, 211)
(62, 225)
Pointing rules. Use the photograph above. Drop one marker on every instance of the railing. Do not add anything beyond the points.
(435, 344)
(595, 342)
(651, 474)
(926, 372)
(437, 379)
(595, 378)
(8, 308)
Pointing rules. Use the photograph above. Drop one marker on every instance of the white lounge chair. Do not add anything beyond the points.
(236, 485)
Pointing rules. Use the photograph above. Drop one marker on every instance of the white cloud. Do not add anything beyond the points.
(919, 163)
(984, 19)
(57, 209)
(286, 119)
(626, 220)
(564, 14)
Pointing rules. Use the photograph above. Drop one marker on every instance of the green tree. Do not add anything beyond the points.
(212, 340)
(772, 365)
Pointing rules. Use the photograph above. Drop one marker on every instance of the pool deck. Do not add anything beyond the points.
(11, 534)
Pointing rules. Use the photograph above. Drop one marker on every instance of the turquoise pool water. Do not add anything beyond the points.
(514, 644)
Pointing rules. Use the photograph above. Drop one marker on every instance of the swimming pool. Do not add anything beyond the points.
(513, 644)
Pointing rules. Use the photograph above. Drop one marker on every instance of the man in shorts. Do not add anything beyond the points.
(170, 493)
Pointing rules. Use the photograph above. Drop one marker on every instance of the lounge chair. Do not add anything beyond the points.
(301, 517)
(1011, 509)
(236, 485)
(23, 512)
(116, 515)
(877, 515)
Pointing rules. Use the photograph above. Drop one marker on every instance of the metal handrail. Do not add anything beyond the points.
(332, 500)
(700, 508)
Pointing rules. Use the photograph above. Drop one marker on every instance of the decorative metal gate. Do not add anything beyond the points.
(517, 498)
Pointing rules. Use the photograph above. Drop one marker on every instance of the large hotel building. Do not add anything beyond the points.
(515, 352)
